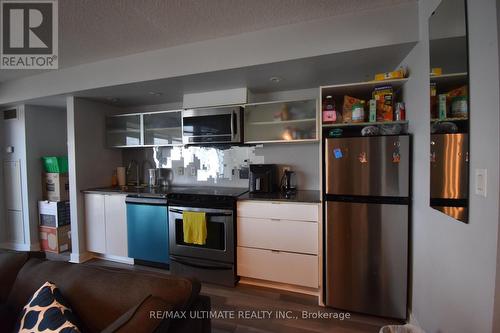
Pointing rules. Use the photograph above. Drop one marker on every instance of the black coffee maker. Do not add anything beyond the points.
(263, 178)
(288, 185)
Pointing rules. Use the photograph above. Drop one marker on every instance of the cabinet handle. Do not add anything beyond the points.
(275, 219)
(275, 251)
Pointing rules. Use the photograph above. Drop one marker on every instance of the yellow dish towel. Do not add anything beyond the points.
(194, 227)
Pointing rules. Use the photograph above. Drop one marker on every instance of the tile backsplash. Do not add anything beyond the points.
(228, 165)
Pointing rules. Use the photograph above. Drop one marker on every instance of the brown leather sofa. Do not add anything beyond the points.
(102, 296)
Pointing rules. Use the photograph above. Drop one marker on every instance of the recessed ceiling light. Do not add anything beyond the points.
(274, 79)
(113, 99)
(155, 93)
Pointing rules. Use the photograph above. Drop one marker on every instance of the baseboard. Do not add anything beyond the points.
(412, 319)
(78, 258)
(281, 286)
(35, 247)
(16, 246)
(123, 260)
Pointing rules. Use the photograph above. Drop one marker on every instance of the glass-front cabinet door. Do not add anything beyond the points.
(288, 121)
(163, 128)
(124, 130)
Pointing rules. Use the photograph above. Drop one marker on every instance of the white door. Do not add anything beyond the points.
(116, 225)
(95, 223)
(12, 181)
(13, 201)
(15, 226)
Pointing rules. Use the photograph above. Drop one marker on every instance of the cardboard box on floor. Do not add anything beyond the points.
(55, 186)
(54, 213)
(55, 240)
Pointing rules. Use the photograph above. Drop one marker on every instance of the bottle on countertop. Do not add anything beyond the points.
(114, 179)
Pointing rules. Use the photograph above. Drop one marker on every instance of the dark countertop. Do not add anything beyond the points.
(164, 191)
(157, 192)
(298, 196)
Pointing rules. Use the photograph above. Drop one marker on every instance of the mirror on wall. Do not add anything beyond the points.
(449, 109)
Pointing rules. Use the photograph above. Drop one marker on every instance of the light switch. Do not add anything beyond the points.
(9, 149)
(481, 182)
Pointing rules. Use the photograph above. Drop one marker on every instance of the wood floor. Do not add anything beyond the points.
(250, 298)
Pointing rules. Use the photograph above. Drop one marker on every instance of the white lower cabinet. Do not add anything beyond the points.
(282, 235)
(106, 224)
(278, 242)
(95, 226)
(116, 225)
(278, 266)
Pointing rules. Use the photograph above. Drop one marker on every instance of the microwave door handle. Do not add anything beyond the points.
(232, 124)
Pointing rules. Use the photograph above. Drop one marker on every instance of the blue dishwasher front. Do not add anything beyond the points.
(147, 229)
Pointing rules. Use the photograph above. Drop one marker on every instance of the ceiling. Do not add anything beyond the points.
(353, 66)
(93, 30)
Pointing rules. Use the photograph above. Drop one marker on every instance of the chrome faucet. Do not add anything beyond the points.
(137, 173)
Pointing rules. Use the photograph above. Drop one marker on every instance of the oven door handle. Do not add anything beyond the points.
(179, 211)
(212, 267)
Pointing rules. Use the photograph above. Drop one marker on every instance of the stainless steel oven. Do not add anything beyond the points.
(212, 125)
(220, 240)
(213, 261)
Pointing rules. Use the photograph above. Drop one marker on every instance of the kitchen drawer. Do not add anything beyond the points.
(278, 266)
(278, 210)
(284, 235)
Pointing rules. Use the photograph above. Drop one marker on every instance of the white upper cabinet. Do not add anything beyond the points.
(144, 129)
(163, 128)
(124, 130)
(287, 121)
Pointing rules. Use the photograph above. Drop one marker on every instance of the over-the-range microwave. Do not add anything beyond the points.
(212, 125)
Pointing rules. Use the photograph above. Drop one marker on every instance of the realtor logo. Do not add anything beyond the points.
(29, 34)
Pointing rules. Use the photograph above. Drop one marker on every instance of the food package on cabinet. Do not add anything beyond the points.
(349, 102)
(397, 74)
(384, 97)
(462, 91)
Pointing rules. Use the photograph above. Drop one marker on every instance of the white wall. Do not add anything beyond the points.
(91, 164)
(45, 136)
(454, 263)
(357, 31)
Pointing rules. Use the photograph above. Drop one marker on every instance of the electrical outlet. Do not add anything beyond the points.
(193, 171)
(180, 171)
(481, 182)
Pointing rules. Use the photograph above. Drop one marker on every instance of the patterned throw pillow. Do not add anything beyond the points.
(47, 312)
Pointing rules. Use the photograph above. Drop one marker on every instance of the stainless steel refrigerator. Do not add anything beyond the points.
(450, 174)
(367, 224)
